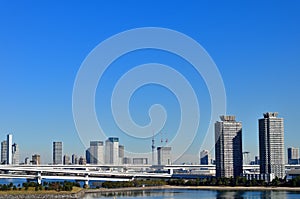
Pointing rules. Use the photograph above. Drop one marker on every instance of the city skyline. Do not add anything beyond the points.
(254, 45)
(228, 136)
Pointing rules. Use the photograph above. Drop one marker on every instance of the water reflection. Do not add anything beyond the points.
(207, 194)
(274, 194)
(230, 194)
(130, 194)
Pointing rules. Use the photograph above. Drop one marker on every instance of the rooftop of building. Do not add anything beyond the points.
(270, 115)
(227, 117)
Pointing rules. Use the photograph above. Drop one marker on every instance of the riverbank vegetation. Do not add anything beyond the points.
(240, 181)
(134, 183)
(73, 187)
(46, 186)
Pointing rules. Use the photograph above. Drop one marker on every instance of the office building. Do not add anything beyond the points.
(271, 145)
(57, 153)
(3, 152)
(293, 155)
(164, 156)
(228, 147)
(95, 153)
(74, 159)
(15, 154)
(140, 161)
(9, 158)
(88, 156)
(82, 161)
(205, 157)
(36, 159)
(121, 153)
(112, 151)
(67, 160)
(127, 160)
(27, 161)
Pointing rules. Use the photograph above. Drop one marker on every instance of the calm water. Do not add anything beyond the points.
(181, 193)
(209, 194)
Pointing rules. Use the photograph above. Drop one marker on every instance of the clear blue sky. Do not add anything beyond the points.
(255, 44)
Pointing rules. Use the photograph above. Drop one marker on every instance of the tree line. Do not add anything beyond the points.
(239, 181)
(134, 183)
(57, 186)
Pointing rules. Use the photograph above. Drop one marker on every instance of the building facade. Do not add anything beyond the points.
(205, 157)
(121, 153)
(140, 161)
(228, 147)
(112, 151)
(9, 159)
(36, 159)
(293, 155)
(164, 156)
(57, 153)
(74, 159)
(271, 145)
(95, 154)
(127, 160)
(3, 152)
(82, 161)
(15, 154)
(67, 160)
(27, 161)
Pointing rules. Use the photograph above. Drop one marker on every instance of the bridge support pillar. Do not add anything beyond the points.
(39, 178)
(170, 171)
(86, 181)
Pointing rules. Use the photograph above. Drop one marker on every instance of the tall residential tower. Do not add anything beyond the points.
(271, 145)
(228, 147)
(112, 151)
(57, 153)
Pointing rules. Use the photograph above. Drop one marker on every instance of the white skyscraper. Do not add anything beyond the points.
(112, 151)
(9, 149)
(95, 153)
(164, 156)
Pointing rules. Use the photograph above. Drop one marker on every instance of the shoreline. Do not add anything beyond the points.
(217, 188)
(81, 193)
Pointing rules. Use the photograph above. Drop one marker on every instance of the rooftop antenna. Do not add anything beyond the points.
(166, 139)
